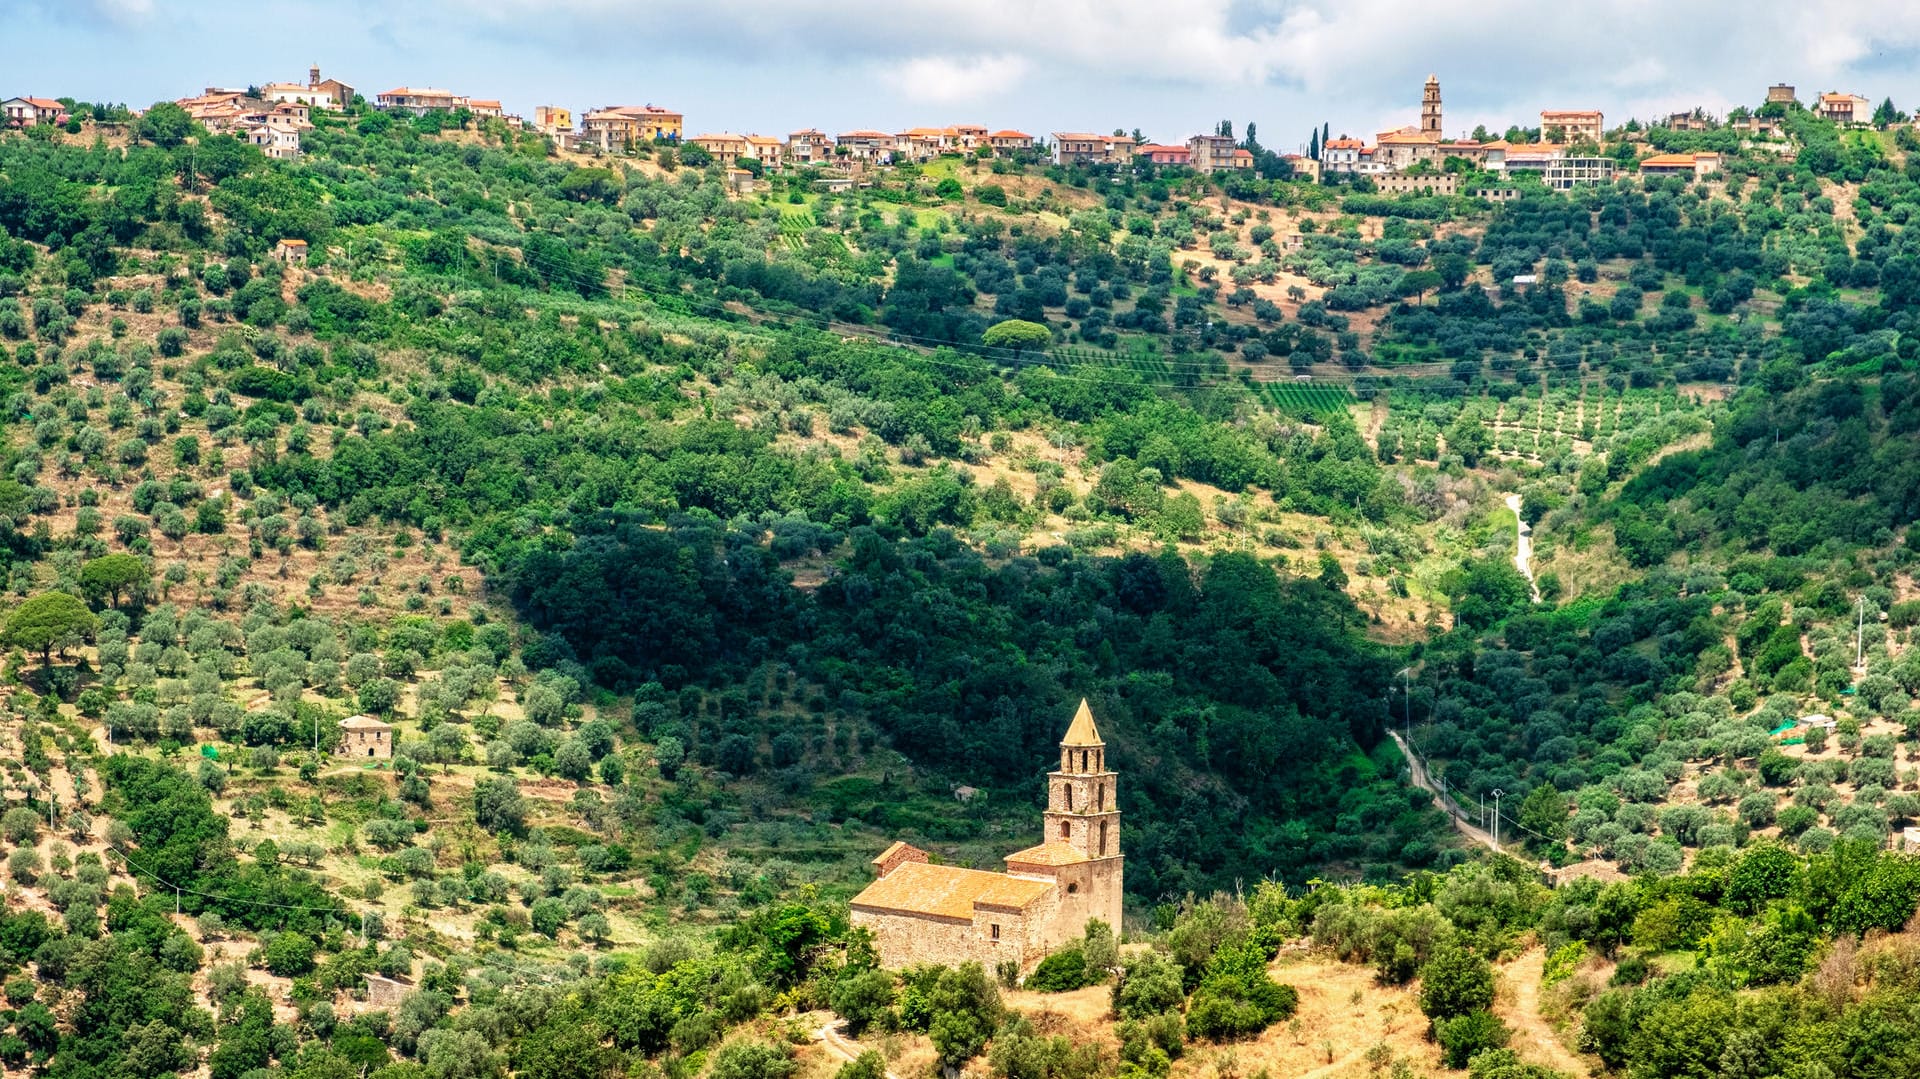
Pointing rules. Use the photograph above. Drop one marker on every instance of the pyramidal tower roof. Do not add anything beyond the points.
(1082, 732)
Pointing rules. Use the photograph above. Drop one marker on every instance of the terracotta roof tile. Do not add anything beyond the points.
(945, 891)
(1047, 854)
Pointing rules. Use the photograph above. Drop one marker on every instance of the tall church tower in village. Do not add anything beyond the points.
(1430, 109)
(1083, 814)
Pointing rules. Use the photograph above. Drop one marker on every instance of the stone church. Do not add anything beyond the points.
(924, 913)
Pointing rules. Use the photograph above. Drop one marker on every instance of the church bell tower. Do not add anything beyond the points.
(1430, 108)
(1081, 808)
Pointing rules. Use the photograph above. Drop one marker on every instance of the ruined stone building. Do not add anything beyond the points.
(924, 913)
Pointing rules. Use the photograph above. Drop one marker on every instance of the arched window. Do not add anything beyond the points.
(1065, 829)
(1103, 839)
(1069, 790)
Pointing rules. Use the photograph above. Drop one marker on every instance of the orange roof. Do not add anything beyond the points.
(303, 243)
(865, 135)
(924, 132)
(763, 140)
(1570, 114)
(479, 104)
(1048, 854)
(411, 92)
(1079, 136)
(1668, 161)
(898, 846)
(42, 103)
(1010, 135)
(1243, 155)
(1159, 148)
(944, 891)
(1344, 143)
(357, 723)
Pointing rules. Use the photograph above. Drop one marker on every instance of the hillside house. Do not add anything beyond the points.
(342, 93)
(619, 126)
(28, 111)
(727, 148)
(412, 101)
(1695, 166)
(1572, 125)
(1844, 108)
(1161, 154)
(1781, 94)
(1341, 154)
(809, 147)
(1008, 141)
(291, 252)
(769, 151)
(1212, 153)
(919, 912)
(365, 738)
(552, 120)
(1081, 148)
(293, 93)
(483, 107)
(867, 147)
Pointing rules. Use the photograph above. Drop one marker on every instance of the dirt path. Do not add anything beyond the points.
(841, 1046)
(1453, 809)
(1533, 1036)
(1523, 545)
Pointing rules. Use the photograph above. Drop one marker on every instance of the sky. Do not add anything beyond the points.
(1170, 68)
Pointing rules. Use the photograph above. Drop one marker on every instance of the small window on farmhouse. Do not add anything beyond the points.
(1073, 889)
(1065, 829)
(996, 932)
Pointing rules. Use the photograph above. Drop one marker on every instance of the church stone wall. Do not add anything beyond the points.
(906, 940)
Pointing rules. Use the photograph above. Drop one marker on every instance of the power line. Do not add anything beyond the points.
(180, 889)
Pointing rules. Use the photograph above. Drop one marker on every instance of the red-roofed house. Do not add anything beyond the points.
(1844, 108)
(407, 99)
(1695, 166)
(1342, 154)
(868, 147)
(1161, 154)
(809, 147)
(485, 108)
(1573, 124)
(27, 111)
(1010, 140)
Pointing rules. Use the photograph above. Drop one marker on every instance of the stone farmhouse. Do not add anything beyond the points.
(919, 912)
(366, 738)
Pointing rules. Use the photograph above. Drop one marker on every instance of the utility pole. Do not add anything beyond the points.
(1406, 688)
(1497, 792)
(1859, 636)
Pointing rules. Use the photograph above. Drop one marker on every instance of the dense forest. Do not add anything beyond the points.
(695, 543)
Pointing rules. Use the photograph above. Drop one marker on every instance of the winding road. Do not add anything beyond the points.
(840, 1045)
(1453, 809)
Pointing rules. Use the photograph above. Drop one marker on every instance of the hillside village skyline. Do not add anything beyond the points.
(1282, 76)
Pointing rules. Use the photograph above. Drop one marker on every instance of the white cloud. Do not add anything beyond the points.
(954, 80)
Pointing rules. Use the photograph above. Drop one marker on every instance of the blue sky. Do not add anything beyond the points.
(1169, 67)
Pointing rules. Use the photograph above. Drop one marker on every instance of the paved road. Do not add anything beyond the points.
(1425, 783)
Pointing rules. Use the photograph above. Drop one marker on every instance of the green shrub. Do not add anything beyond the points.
(1063, 971)
(1465, 1035)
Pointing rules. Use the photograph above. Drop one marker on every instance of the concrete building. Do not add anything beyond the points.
(619, 126)
(483, 107)
(552, 120)
(1417, 183)
(1211, 153)
(1007, 141)
(924, 913)
(866, 147)
(1081, 148)
(809, 147)
(1567, 173)
(412, 101)
(726, 148)
(1844, 108)
(365, 737)
(1781, 94)
(1573, 125)
(769, 151)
